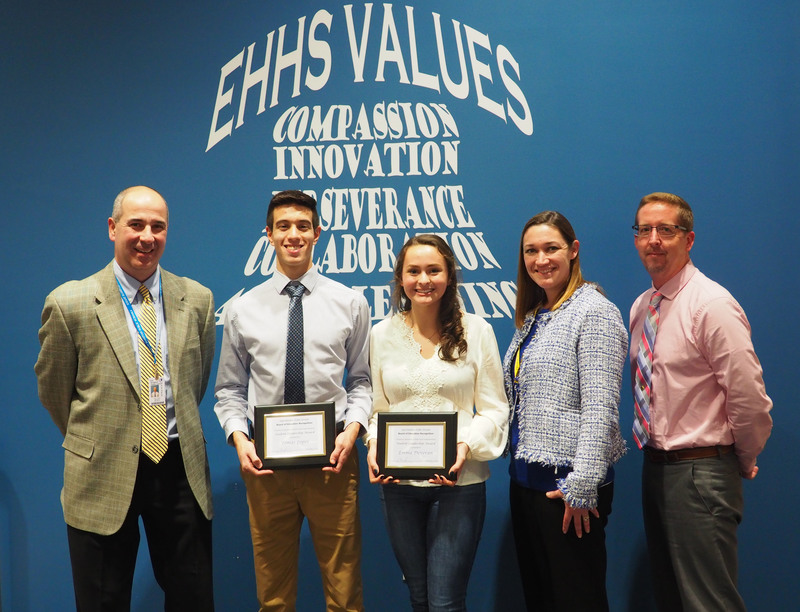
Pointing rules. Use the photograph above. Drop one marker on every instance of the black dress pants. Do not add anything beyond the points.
(559, 571)
(178, 538)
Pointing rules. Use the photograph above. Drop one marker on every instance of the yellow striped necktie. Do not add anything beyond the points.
(154, 418)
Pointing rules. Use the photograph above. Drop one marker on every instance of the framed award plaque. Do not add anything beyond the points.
(416, 445)
(295, 435)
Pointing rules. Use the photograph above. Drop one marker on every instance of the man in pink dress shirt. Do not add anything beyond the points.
(708, 416)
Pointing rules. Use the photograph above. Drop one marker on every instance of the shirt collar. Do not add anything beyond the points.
(673, 286)
(131, 286)
(308, 280)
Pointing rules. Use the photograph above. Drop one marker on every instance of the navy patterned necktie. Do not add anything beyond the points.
(294, 391)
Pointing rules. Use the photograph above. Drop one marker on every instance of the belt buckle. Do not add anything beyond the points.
(672, 456)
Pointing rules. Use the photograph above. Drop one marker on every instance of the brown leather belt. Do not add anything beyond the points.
(685, 454)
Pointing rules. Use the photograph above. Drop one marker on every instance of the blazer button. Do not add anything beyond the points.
(134, 449)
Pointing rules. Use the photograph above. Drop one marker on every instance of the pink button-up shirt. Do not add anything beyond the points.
(707, 383)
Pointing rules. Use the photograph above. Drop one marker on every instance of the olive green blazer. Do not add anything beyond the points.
(89, 382)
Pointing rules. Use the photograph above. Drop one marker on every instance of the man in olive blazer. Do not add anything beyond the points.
(88, 377)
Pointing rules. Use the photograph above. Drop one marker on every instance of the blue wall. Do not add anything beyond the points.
(581, 107)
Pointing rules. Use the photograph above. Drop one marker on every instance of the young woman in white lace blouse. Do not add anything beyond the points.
(431, 356)
(563, 373)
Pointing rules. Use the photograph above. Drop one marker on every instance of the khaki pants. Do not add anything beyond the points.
(278, 503)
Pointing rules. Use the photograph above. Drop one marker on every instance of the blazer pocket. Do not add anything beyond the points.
(83, 447)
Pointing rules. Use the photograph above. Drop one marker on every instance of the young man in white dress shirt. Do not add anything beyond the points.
(336, 325)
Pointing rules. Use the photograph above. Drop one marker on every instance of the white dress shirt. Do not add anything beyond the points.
(252, 362)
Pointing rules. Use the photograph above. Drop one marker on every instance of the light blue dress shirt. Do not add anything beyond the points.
(131, 288)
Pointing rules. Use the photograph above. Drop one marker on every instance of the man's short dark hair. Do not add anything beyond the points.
(298, 198)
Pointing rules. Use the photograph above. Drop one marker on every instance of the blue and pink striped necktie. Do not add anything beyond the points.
(644, 371)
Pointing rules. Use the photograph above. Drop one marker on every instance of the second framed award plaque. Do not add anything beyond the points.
(295, 435)
(416, 445)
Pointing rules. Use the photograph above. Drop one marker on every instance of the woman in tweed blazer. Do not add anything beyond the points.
(563, 372)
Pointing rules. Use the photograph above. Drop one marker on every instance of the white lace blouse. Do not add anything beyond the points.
(404, 381)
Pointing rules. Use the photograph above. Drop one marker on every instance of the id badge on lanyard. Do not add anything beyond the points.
(156, 386)
(158, 392)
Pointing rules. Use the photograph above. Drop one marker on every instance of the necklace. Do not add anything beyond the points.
(416, 328)
(430, 338)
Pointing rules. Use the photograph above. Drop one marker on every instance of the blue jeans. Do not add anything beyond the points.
(434, 533)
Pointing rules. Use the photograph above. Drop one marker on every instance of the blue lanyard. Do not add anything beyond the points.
(523, 346)
(135, 319)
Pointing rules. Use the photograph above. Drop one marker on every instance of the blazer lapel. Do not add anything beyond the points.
(177, 322)
(112, 320)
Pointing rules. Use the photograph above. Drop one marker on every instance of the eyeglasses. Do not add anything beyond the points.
(664, 231)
